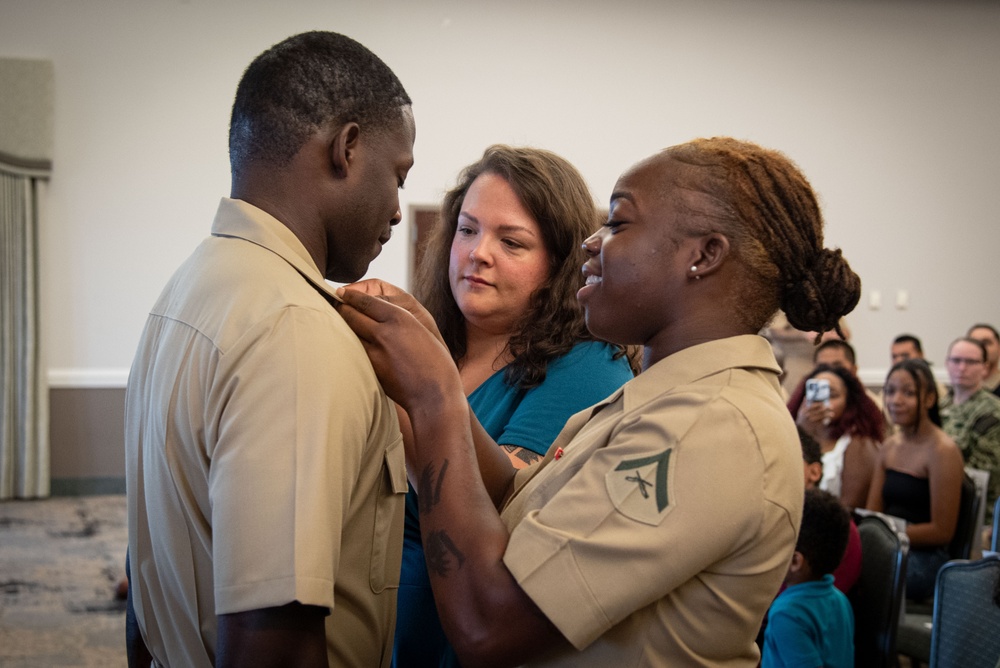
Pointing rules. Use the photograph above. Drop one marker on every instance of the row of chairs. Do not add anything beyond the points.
(964, 624)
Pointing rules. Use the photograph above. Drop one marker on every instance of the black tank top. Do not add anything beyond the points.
(906, 496)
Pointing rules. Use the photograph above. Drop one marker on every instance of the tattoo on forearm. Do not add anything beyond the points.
(441, 553)
(524, 454)
(430, 493)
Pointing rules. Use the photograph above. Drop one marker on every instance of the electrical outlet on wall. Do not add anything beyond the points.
(875, 300)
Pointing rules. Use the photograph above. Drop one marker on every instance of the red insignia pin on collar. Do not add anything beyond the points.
(558, 453)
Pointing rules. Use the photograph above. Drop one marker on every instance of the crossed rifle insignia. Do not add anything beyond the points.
(659, 484)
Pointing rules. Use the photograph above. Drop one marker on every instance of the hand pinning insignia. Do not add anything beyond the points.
(638, 487)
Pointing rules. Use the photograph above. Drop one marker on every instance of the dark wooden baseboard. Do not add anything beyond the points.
(87, 440)
(87, 486)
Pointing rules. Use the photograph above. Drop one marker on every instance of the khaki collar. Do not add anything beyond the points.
(705, 359)
(241, 220)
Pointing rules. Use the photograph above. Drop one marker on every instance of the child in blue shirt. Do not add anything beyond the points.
(811, 623)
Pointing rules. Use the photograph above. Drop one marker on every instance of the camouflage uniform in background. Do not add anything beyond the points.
(975, 426)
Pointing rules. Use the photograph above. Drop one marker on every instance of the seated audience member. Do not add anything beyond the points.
(811, 623)
(919, 473)
(987, 335)
(905, 347)
(839, 353)
(845, 576)
(849, 429)
(500, 276)
(970, 414)
(908, 346)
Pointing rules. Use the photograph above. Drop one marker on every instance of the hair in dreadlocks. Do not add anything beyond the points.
(763, 203)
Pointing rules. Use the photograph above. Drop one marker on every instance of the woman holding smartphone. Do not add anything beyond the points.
(848, 426)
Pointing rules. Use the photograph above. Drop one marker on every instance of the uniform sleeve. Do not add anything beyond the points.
(581, 378)
(293, 408)
(677, 489)
(984, 448)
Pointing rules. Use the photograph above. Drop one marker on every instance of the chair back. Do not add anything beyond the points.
(961, 543)
(878, 596)
(966, 622)
(995, 541)
(982, 480)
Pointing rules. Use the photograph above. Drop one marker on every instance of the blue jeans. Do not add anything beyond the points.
(921, 571)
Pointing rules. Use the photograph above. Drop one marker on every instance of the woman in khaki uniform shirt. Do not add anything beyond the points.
(658, 527)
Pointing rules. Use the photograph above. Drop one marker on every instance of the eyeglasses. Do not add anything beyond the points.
(959, 361)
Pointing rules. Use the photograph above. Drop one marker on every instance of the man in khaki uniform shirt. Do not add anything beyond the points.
(265, 466)
(632, 484)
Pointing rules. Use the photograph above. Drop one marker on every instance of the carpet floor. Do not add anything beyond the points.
(60, 560)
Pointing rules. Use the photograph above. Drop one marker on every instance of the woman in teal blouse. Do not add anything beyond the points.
(500, 276)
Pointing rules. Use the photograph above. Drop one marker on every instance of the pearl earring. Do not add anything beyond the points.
(694, 268)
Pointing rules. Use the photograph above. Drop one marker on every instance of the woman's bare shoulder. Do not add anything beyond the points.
(945, 448)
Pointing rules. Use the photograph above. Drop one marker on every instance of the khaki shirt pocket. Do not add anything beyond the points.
(387, 539)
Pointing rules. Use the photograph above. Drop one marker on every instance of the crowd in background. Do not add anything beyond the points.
(902, 450)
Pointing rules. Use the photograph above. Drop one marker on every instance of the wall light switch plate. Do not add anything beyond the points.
(875, 300)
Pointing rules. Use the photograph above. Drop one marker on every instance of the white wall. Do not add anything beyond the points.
(891, 107)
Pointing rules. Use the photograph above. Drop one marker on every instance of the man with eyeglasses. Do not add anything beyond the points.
(970, 413)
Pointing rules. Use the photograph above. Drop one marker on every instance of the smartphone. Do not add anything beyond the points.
(817, 389)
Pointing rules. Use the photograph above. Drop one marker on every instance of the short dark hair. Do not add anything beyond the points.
(811, 452)
(557, 197)
(983, 325)
(824, 532)
(836, 343)
(302, 84)
(909, 338)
